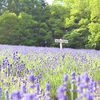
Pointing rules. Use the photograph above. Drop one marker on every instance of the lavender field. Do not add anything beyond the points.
(48, 73)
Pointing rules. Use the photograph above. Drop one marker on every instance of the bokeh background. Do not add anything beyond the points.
(39, 22)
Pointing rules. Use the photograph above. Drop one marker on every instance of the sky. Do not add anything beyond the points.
(49, 1)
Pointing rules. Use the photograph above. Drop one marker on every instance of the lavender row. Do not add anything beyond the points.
(44, 63)
(86, 89)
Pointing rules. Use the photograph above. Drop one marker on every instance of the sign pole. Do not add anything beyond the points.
(60, 45)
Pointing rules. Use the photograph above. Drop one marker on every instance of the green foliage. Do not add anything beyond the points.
(76, 38)
(8, 23)
(26, 28)
(34, 22)
(94, 38)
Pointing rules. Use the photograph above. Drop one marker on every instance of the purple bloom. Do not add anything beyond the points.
(24, 88)
(88, 97)
(47, 93)
(78, 79)
(61, 96)
(37, 88)
(31, 85)
(93, 95)
(65, 88)
(94, 86)
(85, 78)
(65, 77)
(1, 81)
(6, 94)
(41, 91)
(15, 94)
(84, 85)
(77, 99)
(64, 84)
(0, 92)
(73, 75)
(72, 81)
(47, 86)
(64, 97)
(31, 78)
(29, 96)
(16, 52)
(72, 90)
(0, 89)
(38, 97)
(80, 89)
(60, 89)
(48, 98)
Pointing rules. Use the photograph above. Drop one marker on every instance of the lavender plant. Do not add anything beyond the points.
(16, 63)
(0, 92)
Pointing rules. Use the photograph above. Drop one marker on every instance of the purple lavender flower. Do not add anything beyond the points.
(0, 67)
(60, 89)
(2, 81)
(94, 86)
(64, 97)
(48, 98)
(16, 52)
(47, 86)
(80, 88)
(0, 89)
(6, 94)
(31, 85)
(64, 84)
(24, 88)
(40, 91)
(90, 85)
(31, 78)
(72, 81)
(72, 90)
(29, 96)
(88, 97)
(77, 99)
(38, 97)
(12, 79)
(0, 93)
(85, 78)
(65, 77)
(15, 95)
(73, 75)
(78, 79)
(47, 93)
(37, 88)
(61, 96)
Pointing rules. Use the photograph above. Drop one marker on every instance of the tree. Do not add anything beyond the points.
(56, 22)
(77, 38)
(94, 25)
(25, 33)
(94, 37)
(8, 23)
(2, 6)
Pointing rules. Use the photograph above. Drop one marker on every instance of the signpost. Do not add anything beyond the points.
(61, 41)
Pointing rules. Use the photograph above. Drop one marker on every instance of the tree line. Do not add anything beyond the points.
(36, 23)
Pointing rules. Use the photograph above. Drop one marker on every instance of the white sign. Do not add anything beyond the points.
(61, 41)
